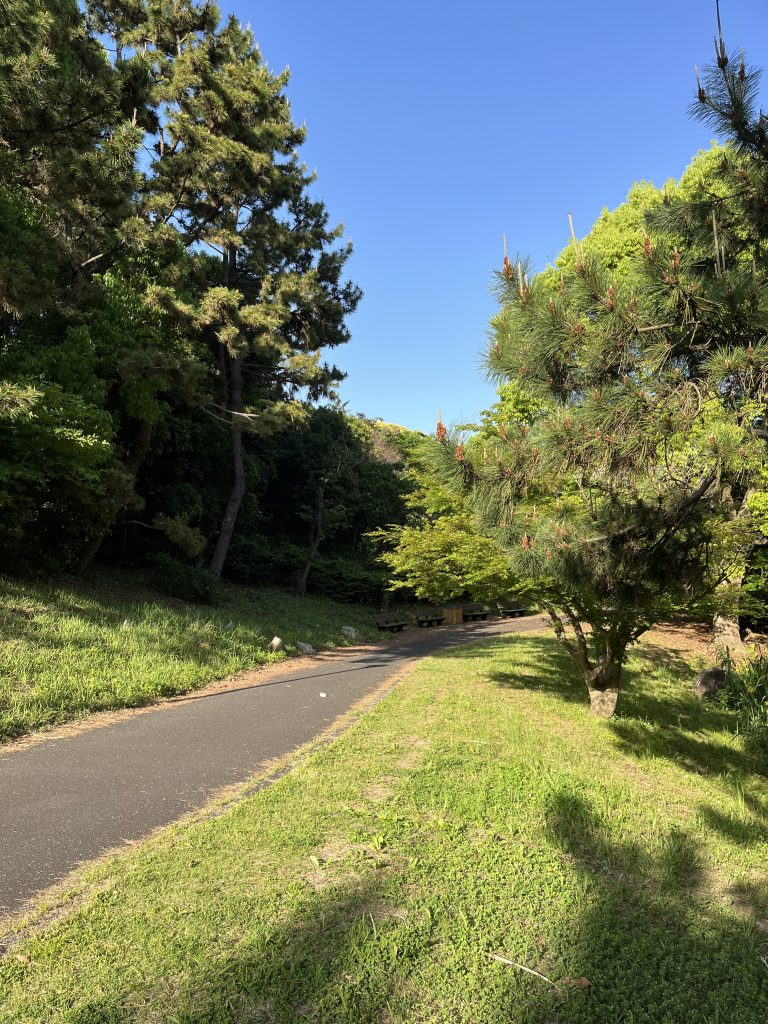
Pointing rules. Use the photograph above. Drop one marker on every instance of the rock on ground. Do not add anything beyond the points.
(305, 648)
(709, 681)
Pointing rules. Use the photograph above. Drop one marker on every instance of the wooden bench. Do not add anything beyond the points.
(430, 616)
(511, 613)
(394, 623)
(472, 612)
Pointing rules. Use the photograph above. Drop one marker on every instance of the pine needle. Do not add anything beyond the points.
(520, 967)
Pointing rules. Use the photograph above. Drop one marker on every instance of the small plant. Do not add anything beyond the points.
(187, 582)
(746, 691)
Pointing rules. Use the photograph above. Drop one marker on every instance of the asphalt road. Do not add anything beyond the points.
(66, 800)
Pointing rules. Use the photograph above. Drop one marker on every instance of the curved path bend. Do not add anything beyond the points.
(66, 800)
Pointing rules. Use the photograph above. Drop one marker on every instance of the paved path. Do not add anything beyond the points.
(67, 800)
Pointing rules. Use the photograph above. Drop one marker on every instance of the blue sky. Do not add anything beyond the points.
(437, 127)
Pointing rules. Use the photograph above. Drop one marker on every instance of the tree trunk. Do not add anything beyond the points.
(136, 456)
(232, 389)
(227, 528)
(603, 685)
(726, 632)
(315, 536)
(604, 677)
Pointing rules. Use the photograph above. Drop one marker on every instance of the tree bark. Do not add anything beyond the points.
(726, 632)
(602, 678)
(232, 389)
(603, 685)
(315, 536)
(227, 528)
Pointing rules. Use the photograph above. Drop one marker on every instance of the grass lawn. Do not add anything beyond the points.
(477, 810)
(68, 650)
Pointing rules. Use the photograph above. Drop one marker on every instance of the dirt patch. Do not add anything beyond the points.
(417, 746)
(338, 861)
(683, 639)
(334, 850)
(378, 792)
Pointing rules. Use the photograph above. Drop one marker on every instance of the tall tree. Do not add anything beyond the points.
(67, 183)
(611, 504)
(226, 176)
(261, 285)
(722, 224)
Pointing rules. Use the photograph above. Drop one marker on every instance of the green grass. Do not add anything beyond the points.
(477, 810)
(69, 650)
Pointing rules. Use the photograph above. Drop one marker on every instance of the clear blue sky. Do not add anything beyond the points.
(436, 127)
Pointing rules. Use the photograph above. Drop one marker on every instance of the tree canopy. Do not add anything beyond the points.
(622, 501)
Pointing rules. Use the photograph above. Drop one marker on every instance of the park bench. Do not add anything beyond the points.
(394, 623)
(472, 612)
(430, 616)
(509, 612)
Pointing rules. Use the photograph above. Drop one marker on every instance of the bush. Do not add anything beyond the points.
(746, 691)
(188, 582)
(257, 560)
(350, 578)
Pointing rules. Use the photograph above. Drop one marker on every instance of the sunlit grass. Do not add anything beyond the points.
(478, 811)
(71, 649)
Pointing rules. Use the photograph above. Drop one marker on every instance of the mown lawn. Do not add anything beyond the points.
(69, 650)
(477, 810)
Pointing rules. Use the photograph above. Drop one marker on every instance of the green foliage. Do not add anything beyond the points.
(617, 500)
(264, 293)
(356, 467)
(746, 691)
(151, 307)
(187, 582)
(445, 560)
(438, 553)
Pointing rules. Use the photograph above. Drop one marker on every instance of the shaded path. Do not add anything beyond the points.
(67, 800)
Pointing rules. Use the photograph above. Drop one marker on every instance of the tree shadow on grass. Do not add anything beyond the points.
(658, 685)
(654, 947)
(316, 966)
(661, 717)
(547, 669)
(654, 944)
(739, 830)
(752, 899)
(693, 752)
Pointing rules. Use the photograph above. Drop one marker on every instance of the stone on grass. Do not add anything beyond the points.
(351, 633)
(276, 644)
(709, 681)
(305, 648)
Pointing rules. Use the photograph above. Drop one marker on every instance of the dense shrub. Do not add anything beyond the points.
(746, 691)
(187, 582)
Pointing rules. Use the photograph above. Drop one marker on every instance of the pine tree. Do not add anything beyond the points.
(723, 225)
(611, 503)
(66, 152)
(226, 178)
(625, 502)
